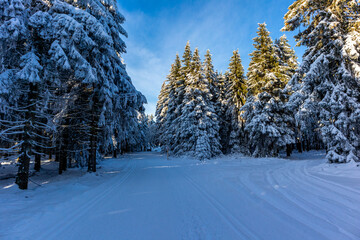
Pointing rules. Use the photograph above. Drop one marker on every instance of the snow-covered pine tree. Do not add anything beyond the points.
(235, 97)
(24, 120)
(86, 36)
(326, 87)
(27, 108)
(212, 79)
(287, 59)
(126, 131)
(267, 120)
(150, 136)
(287, 67)
(71, 50)
(166, 105)
(198, 132)
(263, 61)
(176, 85)
(142, 133)
(161, 110)
(224, 118)
(128, 106)
(63, 26)
(13, 34)
(177, 100)
(268, 126)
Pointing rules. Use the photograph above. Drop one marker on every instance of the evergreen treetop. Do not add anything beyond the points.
(208, 66)
(263, 61)
(186, 61)
(287, 59)
(237, 80)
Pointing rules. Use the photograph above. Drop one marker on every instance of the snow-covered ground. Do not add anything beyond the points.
(146, 196)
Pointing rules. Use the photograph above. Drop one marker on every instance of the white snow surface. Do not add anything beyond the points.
(146, 196)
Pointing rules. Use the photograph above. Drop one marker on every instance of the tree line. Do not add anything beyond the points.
(278, 105)
(64, 90)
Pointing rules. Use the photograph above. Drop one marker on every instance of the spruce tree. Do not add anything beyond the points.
(62, 68)
(24, 118)
(161, 110)
(176, 85)
(224, 118)
(166, 105)
(326, 87)
(263, 62)
(150, 136)
(99, 82)
(235, 97)
(178, 99)
(199, 129)
(212, 78)
(287, 59)
(285, 71)
(267, 119)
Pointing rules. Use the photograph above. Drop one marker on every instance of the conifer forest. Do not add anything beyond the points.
(278, 105)
(269, 149)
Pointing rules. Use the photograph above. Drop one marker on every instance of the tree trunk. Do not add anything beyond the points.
(288, 150)
(50, 154)
(62, 158)
(59, 157)
(94, 114)
(22, 177)
(57, 151)
(93, 147)
(114, 153)
(93, 144)
(299, 146)
(64, 151)
(37, 165)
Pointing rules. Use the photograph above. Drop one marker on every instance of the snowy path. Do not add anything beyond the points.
(152, 198)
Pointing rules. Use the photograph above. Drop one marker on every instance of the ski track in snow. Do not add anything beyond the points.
(235, 224)
(225, 198)
(86, 205)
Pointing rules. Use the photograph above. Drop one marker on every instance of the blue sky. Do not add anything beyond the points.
(158, 29)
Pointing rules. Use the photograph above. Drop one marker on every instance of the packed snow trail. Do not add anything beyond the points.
(229, 198)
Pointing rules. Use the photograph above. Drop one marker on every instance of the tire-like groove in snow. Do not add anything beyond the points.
(233, 222)
(64, 223)
(328, 183)
(317, 192)
(311, 207)
(251, 188)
